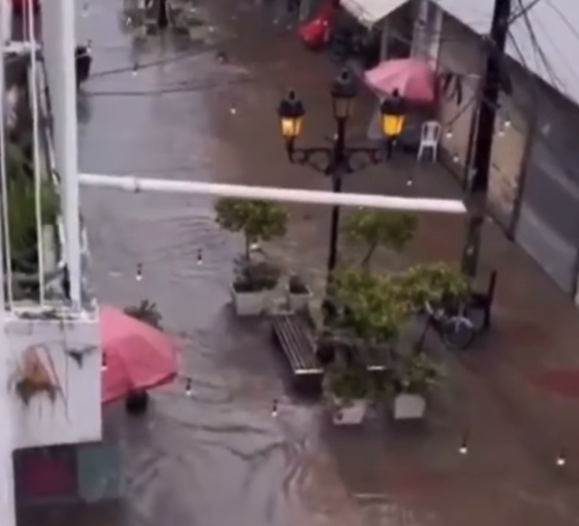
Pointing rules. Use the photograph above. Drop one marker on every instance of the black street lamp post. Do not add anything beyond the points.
(338, 158)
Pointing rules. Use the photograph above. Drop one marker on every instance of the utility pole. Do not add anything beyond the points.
(490, 92)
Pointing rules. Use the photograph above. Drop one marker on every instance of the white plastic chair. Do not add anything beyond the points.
(429, 139)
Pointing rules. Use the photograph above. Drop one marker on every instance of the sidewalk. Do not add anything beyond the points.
(516, 430)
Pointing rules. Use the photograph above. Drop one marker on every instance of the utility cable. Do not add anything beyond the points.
(523, 11)
(555, 81)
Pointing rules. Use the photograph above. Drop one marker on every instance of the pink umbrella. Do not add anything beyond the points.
(136, 356)
(413, 78)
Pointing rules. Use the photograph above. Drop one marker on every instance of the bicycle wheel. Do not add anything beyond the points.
(457, 333)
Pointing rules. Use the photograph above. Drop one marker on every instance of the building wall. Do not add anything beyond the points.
(55, 380)
(548, 227)
(67, 474)
(462, 54)
(535, 151)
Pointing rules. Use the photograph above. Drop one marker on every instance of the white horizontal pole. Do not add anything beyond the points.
(139, 184)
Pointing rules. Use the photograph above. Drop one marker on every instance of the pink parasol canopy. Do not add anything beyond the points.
(135, 355)
(413, 78)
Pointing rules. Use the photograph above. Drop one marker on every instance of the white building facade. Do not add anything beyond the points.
(51, 367)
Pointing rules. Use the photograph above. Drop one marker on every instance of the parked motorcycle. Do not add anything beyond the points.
(453, 326)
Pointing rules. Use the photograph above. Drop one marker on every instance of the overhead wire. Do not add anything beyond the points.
(523, 11)
(536, 94)
(554, 78)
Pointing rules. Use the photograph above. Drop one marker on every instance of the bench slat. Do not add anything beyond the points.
(297, 344)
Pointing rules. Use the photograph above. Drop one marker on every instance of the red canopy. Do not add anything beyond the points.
(135, 355)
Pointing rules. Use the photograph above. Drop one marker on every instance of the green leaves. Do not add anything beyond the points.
(258, 220)
(415, 373)
(372, 308)
(380, 228)
(432, 283)
(22, 212)
(376, 307)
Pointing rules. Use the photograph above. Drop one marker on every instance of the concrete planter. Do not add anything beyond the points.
(409, 406)
(299, 302)
(348, 412)
(249, 303)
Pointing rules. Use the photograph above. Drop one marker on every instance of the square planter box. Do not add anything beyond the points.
(348, 413)
(409, 406)
(299, 302)
(249, 303)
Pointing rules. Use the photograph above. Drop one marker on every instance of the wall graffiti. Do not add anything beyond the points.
(36, 375)
(55, 381)
(78, 353)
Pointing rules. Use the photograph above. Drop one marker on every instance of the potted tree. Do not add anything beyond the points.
(413, 377)
(375, 229)
(350, 387)
(375, 309)
(258, 221)
(367, 319)
(299, 294)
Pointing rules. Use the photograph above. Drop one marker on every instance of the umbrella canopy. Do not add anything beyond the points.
(136, 355)
(413, 78)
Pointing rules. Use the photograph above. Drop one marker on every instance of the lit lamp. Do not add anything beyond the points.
(344, 89)
(392, 114)
(291, 115)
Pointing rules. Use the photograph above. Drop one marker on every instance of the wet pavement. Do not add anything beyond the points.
(220, 457)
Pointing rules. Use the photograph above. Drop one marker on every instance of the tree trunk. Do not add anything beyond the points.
(365, 264)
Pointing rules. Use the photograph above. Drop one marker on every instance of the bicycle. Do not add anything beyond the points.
(454, 327)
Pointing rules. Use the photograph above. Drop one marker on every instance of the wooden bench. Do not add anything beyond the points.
(294, 337)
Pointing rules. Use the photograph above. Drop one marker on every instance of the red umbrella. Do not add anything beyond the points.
(413, 78)
(136, 356)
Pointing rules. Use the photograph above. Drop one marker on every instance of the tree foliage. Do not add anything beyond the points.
(22, 212)
(380, 228)
(258, 220)
(376, 307)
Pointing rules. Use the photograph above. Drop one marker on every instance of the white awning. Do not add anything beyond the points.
(368, 12)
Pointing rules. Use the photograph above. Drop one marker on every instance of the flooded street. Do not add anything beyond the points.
(164, 107)
(218, 457)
